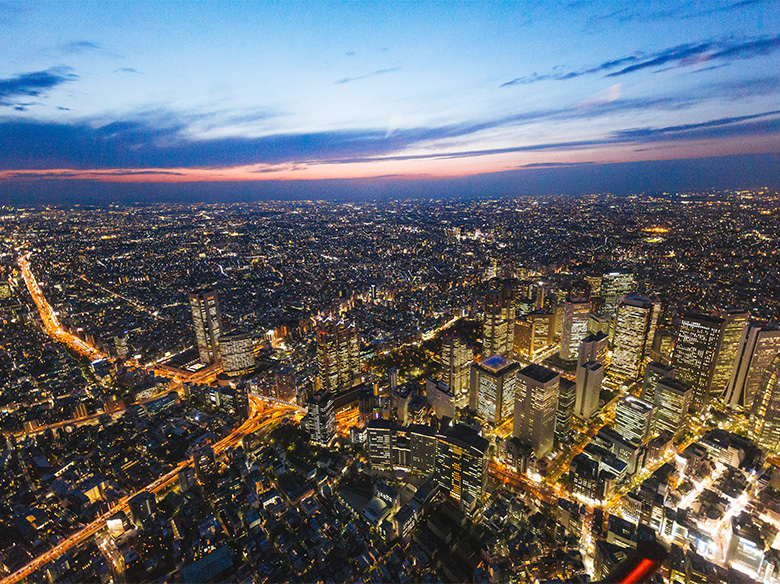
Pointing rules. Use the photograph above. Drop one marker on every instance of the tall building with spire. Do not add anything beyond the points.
(338, 354)
(207, 319)
(499, 332)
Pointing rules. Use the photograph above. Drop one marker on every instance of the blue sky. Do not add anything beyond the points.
(226, 92)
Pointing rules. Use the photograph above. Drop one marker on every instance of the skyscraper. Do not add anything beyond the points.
(534, 333)
(208, 323)
(635, 322)
(672, 398)
(594, 347)
(734, 322)
(567, 394)
(456, 357)
(320, 418)
(499, 330)
(536, 405)
(757, 347)
(653, 372)
(695, 353)
(765, 412)
(461, 462)
(588, 389)
(633, 419)
(235, 353)
(613, 286)
(493, 388)
(575, 326)
(338, 354)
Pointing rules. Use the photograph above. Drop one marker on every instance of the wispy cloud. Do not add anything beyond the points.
(33, 84)
(368, 75)
(686, 55)
(80, 47)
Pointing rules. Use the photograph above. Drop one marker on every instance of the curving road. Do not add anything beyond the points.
(49, 316)
(262, 412)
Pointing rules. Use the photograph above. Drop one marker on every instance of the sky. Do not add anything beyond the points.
(177, 100)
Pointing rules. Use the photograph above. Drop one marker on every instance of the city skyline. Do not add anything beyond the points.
(147, 101)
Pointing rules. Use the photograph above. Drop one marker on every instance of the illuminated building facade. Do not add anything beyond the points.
(499, 332)
(594, 347)
(575, 326)
(672, 399)
(534, 333)
(207, 319)
(321, 418)
(235, 353)
(456, 357)
(461, 462)
(633, 419)
(695, 353)
(338, 354)
(635, 323)
(536, 405)
(493, 388)
(765, 413)
(567, 395)
(587, 389)
(734, 322)
(613, 286)
(757, 347)
(653, 372)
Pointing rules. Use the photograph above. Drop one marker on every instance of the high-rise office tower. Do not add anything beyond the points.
(672, 398)
(595, 285)
(461, 463)
(422, 443)
(633, 419)
(379, 442)
(456, 357)
(613, 286)
(765, 412)
(235, 353)
(320, 418)
(588, 388)
(635, 322)
(499, 330)
(208, 323)
(757, 347)
(206, 467)
(493, 387)
(594, 347)
(338, 354)
(534, 333)
(695, 352)
(575, 326)
(653, 372)
(567, 395)
(734, 322)
(536, 405)
(599, 323)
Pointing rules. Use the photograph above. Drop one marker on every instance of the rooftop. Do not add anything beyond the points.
(496, 363)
